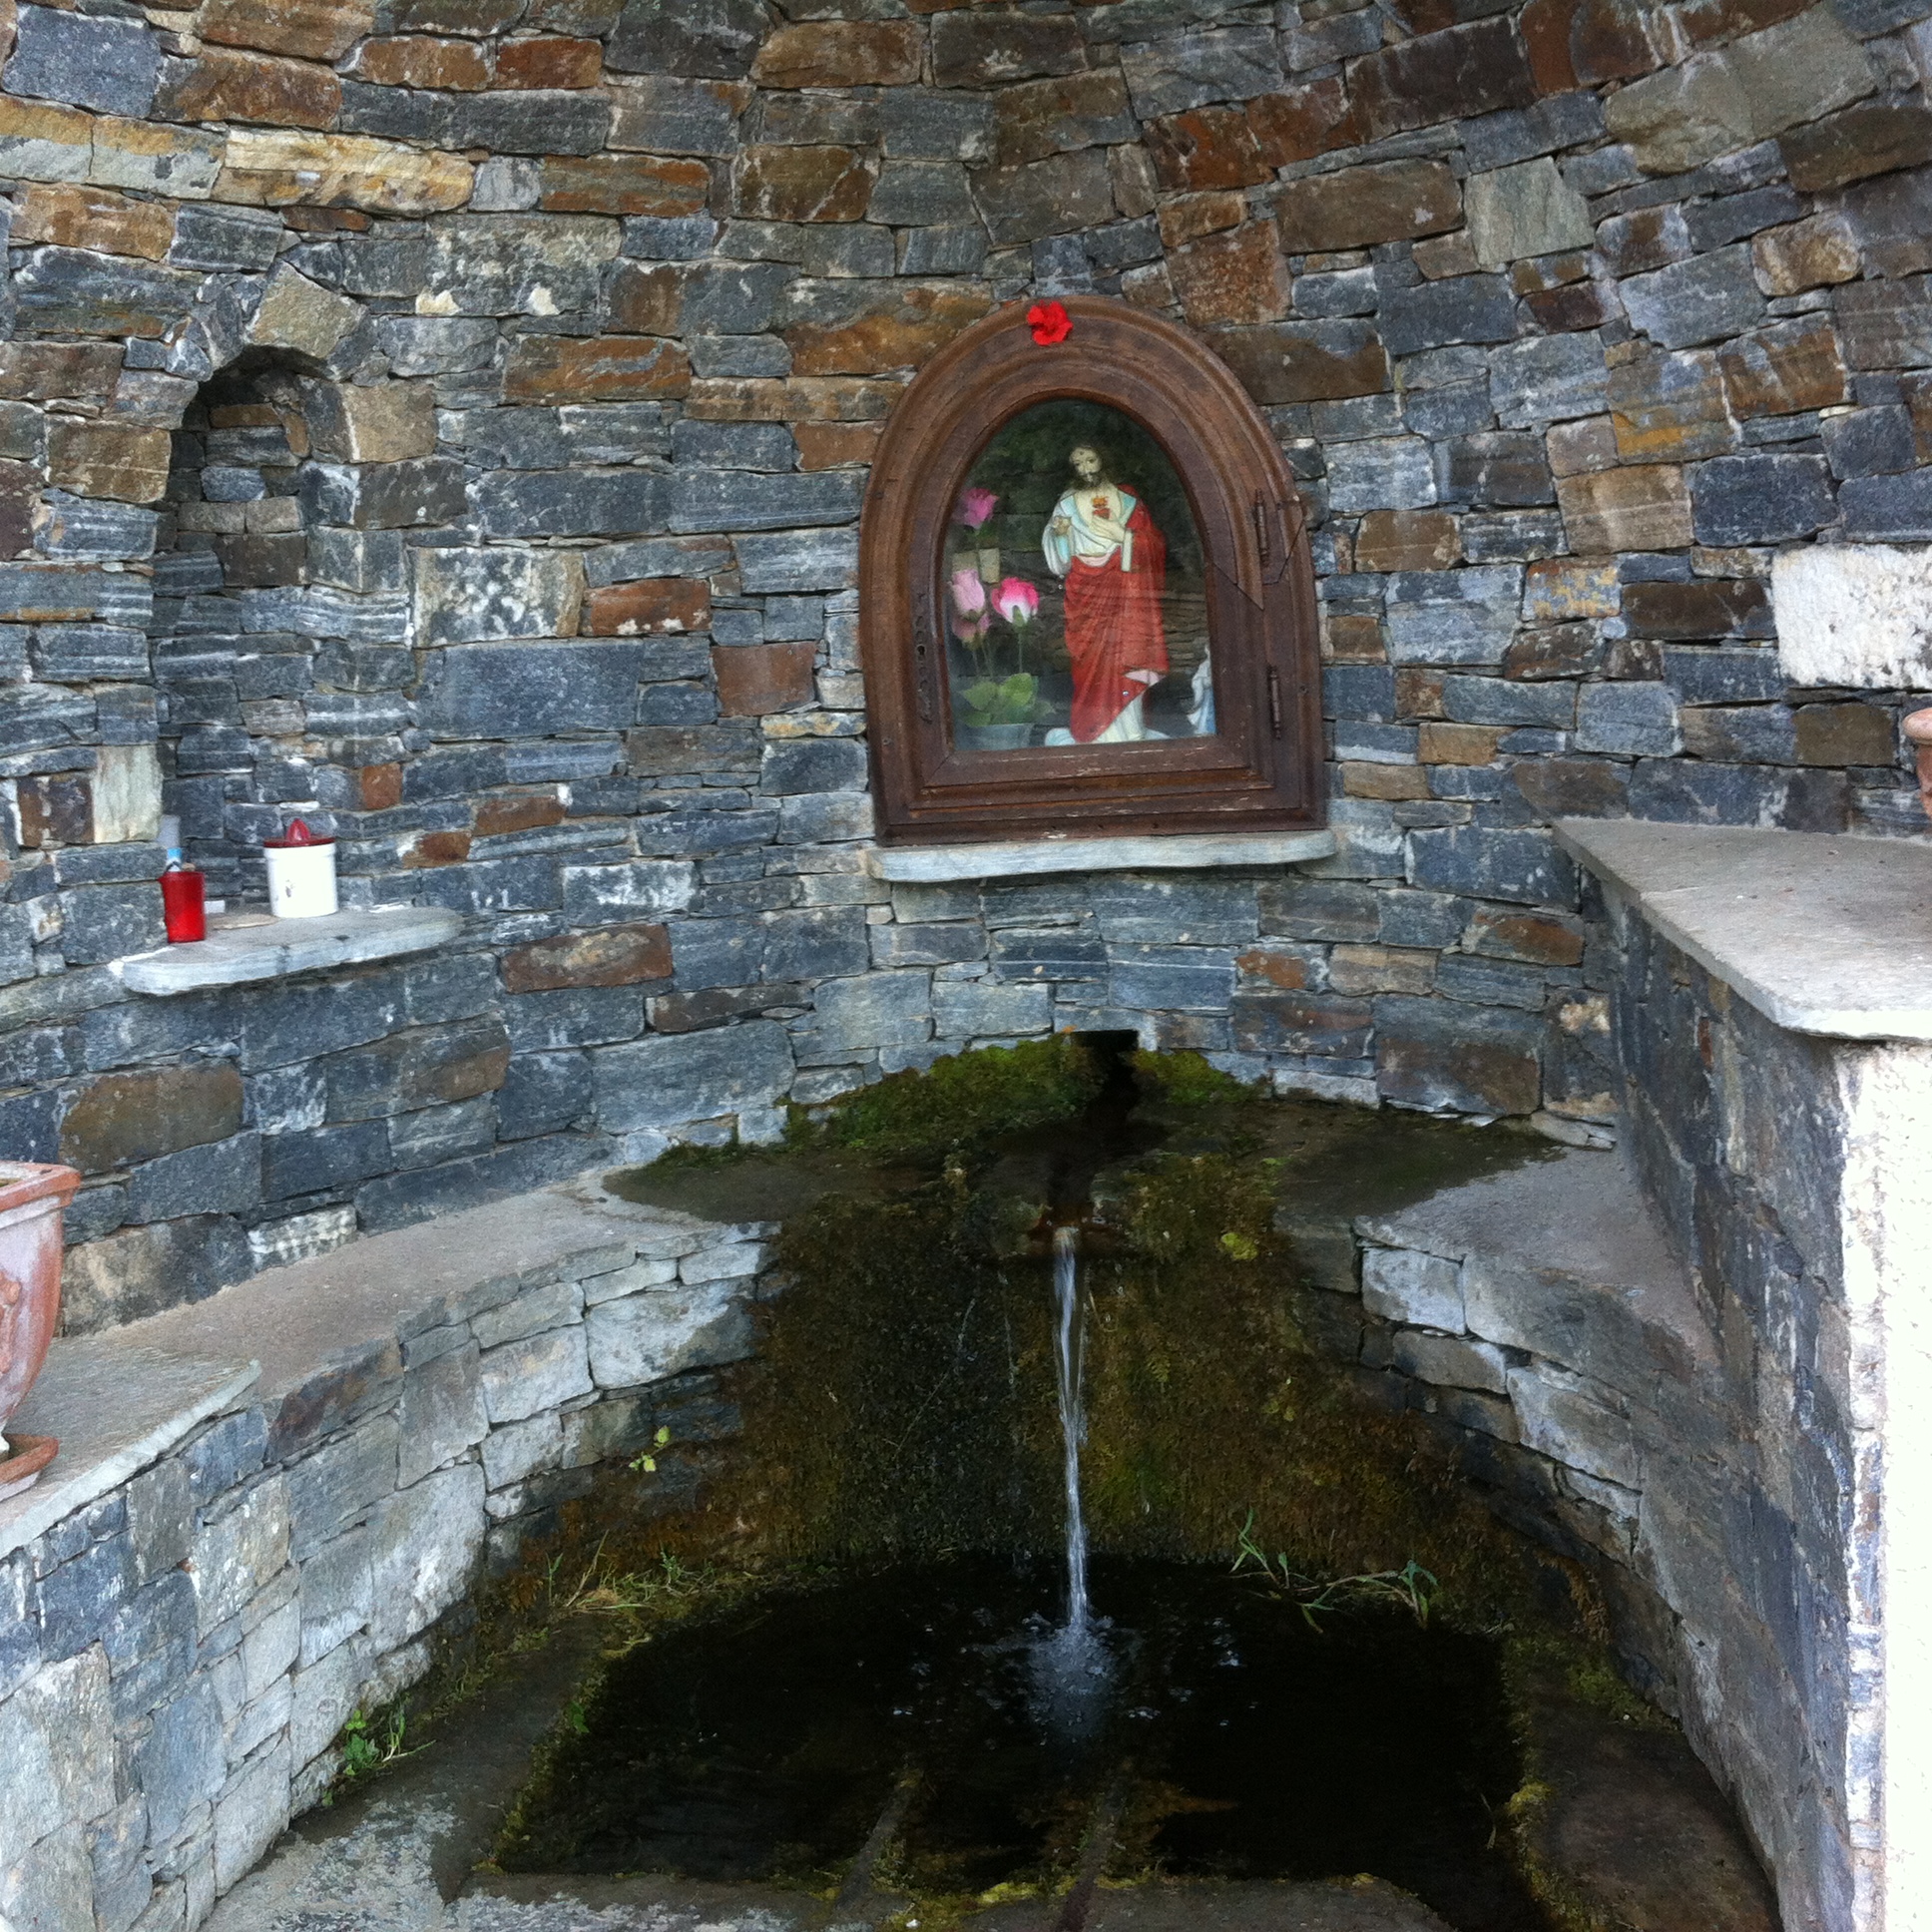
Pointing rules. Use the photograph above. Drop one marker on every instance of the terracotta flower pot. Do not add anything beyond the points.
(31, 1199)
(1918, 729)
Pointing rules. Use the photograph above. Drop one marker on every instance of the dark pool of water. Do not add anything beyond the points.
(1231, 1739)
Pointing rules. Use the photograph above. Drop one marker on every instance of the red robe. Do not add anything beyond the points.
(1114, 626)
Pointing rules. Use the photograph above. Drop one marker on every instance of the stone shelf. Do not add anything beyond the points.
(1822, 932)
(116, 1406)
(245, 954)
(1019, 858)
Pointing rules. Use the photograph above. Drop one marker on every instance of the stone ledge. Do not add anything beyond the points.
(1018, 859)
(116, 1409)
(1822, 932)
(286, 947)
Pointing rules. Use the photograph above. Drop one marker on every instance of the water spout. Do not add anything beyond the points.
(1071, 1343)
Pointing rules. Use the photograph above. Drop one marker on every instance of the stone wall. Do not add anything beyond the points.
(178, 1656)
(521, 364)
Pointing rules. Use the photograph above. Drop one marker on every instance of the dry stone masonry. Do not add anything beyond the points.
(179, 1656)
(449, 418)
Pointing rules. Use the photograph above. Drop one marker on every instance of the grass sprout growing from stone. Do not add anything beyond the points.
(372, 1744)
(646, 1464)
(1413, 1587)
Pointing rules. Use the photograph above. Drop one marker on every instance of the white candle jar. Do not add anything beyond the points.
(301, 880)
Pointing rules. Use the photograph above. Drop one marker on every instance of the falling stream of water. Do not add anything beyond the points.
(1071, 1340)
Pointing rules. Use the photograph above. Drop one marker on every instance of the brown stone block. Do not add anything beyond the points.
(1609, 41)
(1391, 200)
(779, 183)
(20, 489)
(1545, 28)
(319, 30)
(775, 400)
(43, 371)
(325, 220)
(1572, 787)
(1438, 257)
(1360, 970)
(518, 811)
(1644, 239)
(1447, 75)
(687, 1011)
(1437, 1069)
(550, 61)
(675, 750)
(222, 85)
(1845, 735)
(841, 53)
(1309, 1023)
(1552, 651)
(836, 446)
(1704, 23)
(1441, 744)
(1231, 279)
(1817, 253)
(1193, 216)
(1589, 444)
(594, 368)
(425, 850)
(1870, 139)
(55, 811)
(1305, 362)
(609, 956)
(1297, 124)
(651, 606)
(1407, 540)
(418, 60)
(1063, 112)
(94, 217)
(1670, 408)
(1350, 637)
(1558, 312)
(1645, 507)
(379, 786)
(647, 299)
(753, 679)
(120, 1118)
(1419, 691)
(1541, 938)
(986, 46)
(57, 128)
(1360, 779)
(1205, 147)
(105, 459)
(1787, 368)
(1288, 971)
(1707, 607)
(622, 185)
(268, 168)
(921, 319)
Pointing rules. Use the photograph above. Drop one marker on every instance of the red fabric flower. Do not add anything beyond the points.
(1050, 322)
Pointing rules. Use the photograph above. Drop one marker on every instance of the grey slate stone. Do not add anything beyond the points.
(1548, 378)
(1888, 509)
(111, 65)
(1199, 64)
(670, 1079)
(1701, 300)
(707, 38)
(572, 503)
(1433, 315)
(1525, 866)
(1631, 718)
(1760, 499)
(521, 690)
(748, 500)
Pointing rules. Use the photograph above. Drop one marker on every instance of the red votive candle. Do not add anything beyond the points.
(184, 907)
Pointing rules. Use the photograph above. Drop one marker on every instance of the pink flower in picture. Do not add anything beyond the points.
(969, 594)
(969, 629)
(975, 506)
(1016, 600)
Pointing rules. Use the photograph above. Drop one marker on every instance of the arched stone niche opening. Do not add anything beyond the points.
(281, 645)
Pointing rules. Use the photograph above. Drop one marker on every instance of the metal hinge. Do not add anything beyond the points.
(1261, 525)
(1274, 700)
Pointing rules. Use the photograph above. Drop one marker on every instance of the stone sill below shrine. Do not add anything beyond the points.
(1825, 933)
(1026, 857)
(280, 948)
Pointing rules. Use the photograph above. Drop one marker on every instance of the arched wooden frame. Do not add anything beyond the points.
(1262, 771)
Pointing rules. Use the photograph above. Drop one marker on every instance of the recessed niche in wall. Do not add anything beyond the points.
(1087, 600)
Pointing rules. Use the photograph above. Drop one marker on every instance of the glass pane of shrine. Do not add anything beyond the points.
(1074, 589)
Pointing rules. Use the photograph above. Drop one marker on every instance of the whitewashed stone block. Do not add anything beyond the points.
(1451, 1361)
(426, 1544)
(648, 1336)
(522, 1378)
(1855, 613)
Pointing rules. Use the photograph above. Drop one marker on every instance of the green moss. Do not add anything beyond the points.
(1186, 1080)
(967, 1099)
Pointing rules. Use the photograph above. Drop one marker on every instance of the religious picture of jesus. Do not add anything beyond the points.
(1112, 561)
